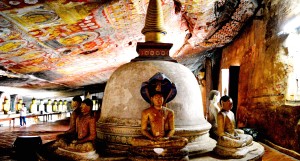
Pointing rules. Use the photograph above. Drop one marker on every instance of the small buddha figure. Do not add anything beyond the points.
(6, 106)
(82, 138)
(54, 106)
(231, 142)
(65, 106)
(19, 105)
(33, 106)
(214, 97)
(157, 121)
(41, 106)
(49, 106)
(95, 105)
(60, 106)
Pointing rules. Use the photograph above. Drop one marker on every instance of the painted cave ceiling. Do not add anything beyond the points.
(71, 44)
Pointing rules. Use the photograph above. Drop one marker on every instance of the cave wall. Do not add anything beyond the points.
(264, 67)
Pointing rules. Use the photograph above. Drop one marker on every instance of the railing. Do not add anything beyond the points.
(46, 116)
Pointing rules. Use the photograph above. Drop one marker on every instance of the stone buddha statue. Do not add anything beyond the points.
(49, 106)
(231, 142)
(79, 144)
(54, 106)
(65, 106)
(157, 121)
(213, 110)
(33, 106)
(60, 106)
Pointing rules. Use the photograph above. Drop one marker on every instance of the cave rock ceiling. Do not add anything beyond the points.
(69, 44)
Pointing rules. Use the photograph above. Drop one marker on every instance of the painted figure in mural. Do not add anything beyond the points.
(228, 136)
(83, 138)
(158, 118)
(33, 106)
(74, 39)
(214, 98)
(49, 106)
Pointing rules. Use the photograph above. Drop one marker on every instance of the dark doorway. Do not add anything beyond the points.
(233, 86)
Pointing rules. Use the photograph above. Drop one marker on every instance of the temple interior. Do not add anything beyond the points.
(53, 50)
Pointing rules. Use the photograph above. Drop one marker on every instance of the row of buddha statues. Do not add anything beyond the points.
(38, 107)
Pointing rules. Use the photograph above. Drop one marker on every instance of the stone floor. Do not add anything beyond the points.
(48, 131)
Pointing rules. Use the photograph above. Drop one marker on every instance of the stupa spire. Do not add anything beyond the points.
(154, 25)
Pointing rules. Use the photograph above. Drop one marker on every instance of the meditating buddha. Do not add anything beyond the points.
(79, 143)
(157, 121)
(231, 142)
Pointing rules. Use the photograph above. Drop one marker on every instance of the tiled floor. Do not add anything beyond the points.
(49, 130)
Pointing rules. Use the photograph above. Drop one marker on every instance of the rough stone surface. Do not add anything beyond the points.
(265, 64)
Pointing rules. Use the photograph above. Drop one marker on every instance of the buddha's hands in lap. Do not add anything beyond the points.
(163, 139)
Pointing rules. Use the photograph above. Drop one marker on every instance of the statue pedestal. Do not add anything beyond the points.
(50, 152)
(92, 155)
(158, 154)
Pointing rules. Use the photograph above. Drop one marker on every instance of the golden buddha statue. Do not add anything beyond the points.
(54, 106)
(33, 106)
(6, 106)
(231, 142)
(19, 105)
(157, 121)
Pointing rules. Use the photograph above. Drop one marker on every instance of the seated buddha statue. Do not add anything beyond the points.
(231, 142)
(161, 121)
(214, 98)
(82, 138)
(157, 122)
(158, 118)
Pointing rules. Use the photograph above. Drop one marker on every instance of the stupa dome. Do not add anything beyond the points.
(123, 104)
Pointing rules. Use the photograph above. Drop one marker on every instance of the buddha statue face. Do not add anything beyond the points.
(20, 101)
(157, 100)
(227, 105)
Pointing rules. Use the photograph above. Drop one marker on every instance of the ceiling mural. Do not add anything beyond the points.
(73, 43)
